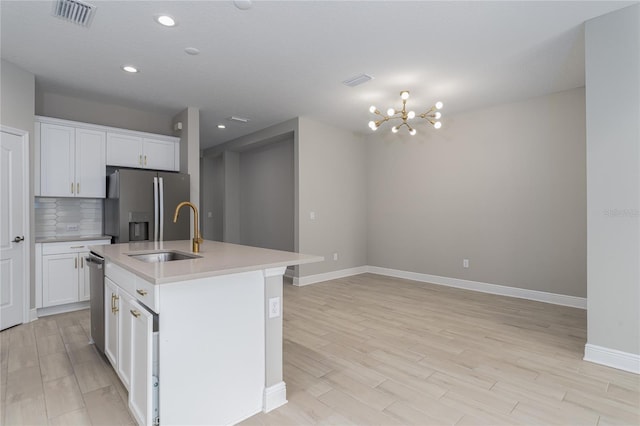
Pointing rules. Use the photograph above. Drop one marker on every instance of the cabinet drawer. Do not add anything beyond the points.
(71, 246)
(147, 294)
(121, 277)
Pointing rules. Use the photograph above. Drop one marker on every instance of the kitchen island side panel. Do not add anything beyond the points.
(212, 349)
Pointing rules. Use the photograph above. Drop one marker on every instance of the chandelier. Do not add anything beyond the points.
(432, 115)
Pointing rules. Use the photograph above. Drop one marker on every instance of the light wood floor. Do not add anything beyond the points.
(365, 350)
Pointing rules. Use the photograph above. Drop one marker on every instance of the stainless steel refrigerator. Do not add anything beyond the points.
(140, 205)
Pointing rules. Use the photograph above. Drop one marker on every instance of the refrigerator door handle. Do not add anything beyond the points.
(155, 209)
(161, 193)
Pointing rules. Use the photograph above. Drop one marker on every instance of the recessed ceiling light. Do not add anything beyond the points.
(221, 126)
(192, 51)
(166, 20)
(130, 68)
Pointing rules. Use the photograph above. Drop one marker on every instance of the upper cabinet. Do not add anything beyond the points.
(72, 161)
(127, 150)
(71, 157)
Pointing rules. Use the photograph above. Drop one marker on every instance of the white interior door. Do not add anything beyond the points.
(13, 253)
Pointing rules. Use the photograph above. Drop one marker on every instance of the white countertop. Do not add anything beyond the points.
(69, 238)
(217, 259)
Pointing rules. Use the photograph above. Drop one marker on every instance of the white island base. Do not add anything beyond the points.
(218, 359)
(213, 348)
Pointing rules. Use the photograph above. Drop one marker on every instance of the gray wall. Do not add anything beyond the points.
(613, 174)
(190, 151)
(231, 197)
(332, 184)
(502, 186)
(77, 109)
(267, 196)
(212, 190)
(17, 106)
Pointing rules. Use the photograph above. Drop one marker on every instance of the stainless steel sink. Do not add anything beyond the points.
(163, 256)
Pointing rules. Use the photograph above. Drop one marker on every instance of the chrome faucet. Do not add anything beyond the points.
(197, 238)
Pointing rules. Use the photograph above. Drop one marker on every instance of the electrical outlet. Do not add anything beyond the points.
(73, 227)
(465, 263)
(312, 215)
(209, 215)
(335, 256)
(274, 307)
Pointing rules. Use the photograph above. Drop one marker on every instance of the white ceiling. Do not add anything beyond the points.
(283, 59)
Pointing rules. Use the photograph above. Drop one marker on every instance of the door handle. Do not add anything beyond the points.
(18, 239)
(134, 313)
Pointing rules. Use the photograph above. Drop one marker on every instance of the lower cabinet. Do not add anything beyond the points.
(62, 274)
(131, 344)
(117, 330)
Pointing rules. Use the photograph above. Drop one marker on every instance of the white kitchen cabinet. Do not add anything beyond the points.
(60, 279)
(130, 343)
(62, 274)
(117, 308)
(111, 317)
(130, 150)
(72, 161)
(142, 362)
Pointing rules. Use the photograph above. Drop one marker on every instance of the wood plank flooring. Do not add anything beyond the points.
(366, 350)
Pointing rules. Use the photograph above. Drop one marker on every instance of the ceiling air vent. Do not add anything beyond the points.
(357, 80)
(74, 11)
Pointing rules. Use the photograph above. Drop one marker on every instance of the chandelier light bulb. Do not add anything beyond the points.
(439, 105)
(411, 115)
(437, 115)
(391, 111)
(372, 109)
(372, 125)
(412, 132)
(394, 129)
(437, 125)
(404, 95)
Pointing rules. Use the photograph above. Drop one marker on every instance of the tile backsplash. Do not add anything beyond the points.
(60, 217)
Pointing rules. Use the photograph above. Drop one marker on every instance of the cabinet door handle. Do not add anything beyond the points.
(140, 159)
(135, 313)
(72, 187)
(78, 188)
(76, 263)
(76, 247)
(115, 307)
(113, 297)
(82, 262)
(145, 160)
(142, 292)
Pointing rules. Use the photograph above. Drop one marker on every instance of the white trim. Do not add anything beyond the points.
(33, 314)
(521, 293)
(60, 309)
(612, 358)
(333, 275)
(26, 225)
(274, 396)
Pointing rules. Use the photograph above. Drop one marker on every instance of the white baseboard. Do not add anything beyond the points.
(33, 314)
(612, 358)
(60, 309)
(274, 396)
(333, 275)
(521, 293)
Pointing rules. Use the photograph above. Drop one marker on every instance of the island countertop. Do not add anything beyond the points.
(216, 258)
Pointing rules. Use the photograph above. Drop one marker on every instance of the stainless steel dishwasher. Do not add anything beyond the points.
(96, 273)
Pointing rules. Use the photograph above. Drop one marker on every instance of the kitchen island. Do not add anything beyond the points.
(205, 331)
